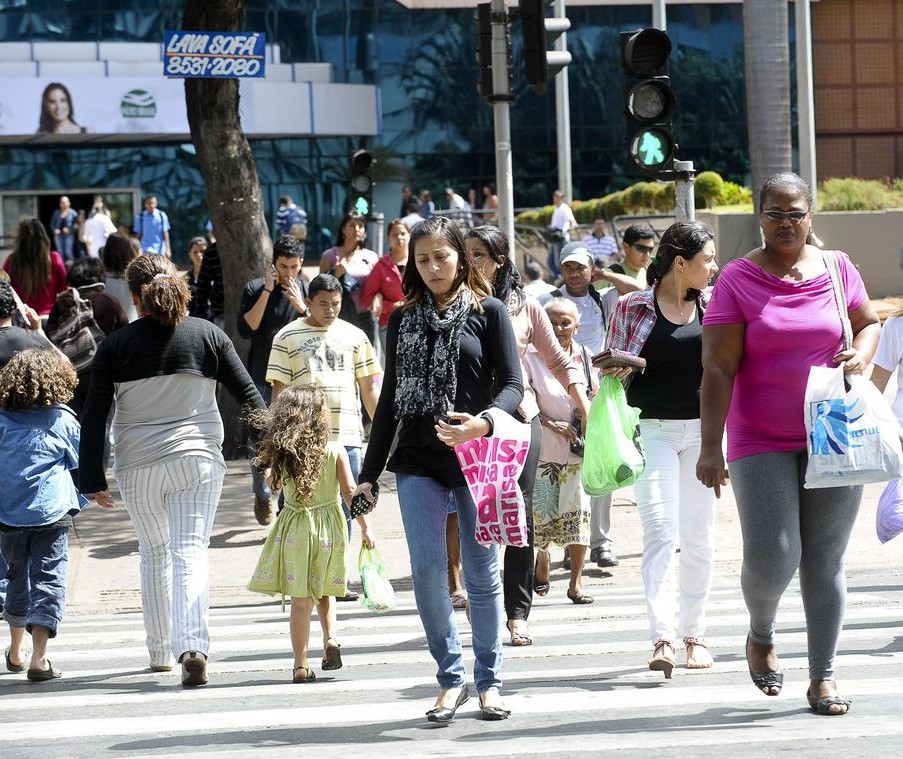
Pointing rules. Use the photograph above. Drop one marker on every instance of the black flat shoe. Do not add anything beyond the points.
(770, 683)
(443, 713)
(824, 706)
(493, 713)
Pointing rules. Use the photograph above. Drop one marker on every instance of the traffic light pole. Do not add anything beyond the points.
(563, 116)
(501, 104)
(684, 196)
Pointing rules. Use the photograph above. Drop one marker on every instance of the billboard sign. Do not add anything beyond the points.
(214, 55)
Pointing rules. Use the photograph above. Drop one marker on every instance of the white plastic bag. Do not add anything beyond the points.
(889, 514)
(852, 435)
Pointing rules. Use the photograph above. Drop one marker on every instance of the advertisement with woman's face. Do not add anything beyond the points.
(50, 110)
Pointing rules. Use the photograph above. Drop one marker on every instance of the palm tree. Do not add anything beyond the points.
(767, 70)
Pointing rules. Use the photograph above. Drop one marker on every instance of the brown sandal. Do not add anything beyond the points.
(332, 655)
(303, 675)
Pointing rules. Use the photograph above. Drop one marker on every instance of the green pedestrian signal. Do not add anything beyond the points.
(649, 100)
(360, 182)
(651, 149)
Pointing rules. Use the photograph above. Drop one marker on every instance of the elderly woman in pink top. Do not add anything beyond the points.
(488, 251)
(772, 316)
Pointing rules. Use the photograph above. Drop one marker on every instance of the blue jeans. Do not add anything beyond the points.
(65, 246)
(424, 510)
(258, 483)
(37, 559)
(354, 458)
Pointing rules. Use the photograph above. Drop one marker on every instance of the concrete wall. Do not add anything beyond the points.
(871, 238)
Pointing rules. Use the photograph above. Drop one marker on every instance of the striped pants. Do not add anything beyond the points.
(172, 506)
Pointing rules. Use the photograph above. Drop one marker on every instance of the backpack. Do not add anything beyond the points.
(77, 334)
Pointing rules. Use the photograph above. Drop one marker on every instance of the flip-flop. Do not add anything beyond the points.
(42, 675)
(519, 639)
(13, 667)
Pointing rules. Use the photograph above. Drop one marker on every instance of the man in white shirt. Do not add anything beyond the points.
(535, 284)
(460, 208)
(562, 222)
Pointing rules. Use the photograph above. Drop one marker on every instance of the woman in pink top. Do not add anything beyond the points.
(35, 271)
(772, 316)
(487, 250)
(351, 263)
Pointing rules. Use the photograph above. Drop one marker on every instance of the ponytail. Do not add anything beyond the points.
(163, 293)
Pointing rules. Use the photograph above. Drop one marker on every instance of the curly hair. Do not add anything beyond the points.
(36, 377)
(294, 431)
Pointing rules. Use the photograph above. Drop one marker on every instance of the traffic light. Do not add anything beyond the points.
(360, 183)
(649, 100)
(484, 49)
(540, 33)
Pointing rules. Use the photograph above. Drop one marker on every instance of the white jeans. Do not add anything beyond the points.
(172, 506)
(673, 504)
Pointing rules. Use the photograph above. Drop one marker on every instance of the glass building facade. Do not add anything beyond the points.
(436, 130)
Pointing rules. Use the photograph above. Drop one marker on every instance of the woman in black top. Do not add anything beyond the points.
(162, 370)
(664, 326)
(451, 354)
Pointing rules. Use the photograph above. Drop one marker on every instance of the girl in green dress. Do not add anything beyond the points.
(304, 555)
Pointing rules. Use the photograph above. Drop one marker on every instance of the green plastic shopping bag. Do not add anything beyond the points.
(613, 457)
(378, 593)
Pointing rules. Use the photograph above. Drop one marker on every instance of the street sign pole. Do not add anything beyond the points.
(684, 196)
(563, 116)
(501, 103)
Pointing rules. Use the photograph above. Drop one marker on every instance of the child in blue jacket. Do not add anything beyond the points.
(39, 439)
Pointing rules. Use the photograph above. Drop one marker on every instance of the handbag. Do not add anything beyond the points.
(852, 435)
(77, 333)
(614, 456)
(889, 514)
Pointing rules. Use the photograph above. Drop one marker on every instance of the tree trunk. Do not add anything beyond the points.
(232, 188)
(767, 72)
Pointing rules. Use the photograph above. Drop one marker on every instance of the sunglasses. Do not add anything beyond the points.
(644, 248)
(795, 216)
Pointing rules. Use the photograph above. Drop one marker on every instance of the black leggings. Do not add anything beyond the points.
(518, 566)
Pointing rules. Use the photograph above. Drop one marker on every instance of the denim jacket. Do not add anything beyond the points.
(40, 446)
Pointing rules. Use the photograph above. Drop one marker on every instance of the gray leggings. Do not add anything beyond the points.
(784, 527)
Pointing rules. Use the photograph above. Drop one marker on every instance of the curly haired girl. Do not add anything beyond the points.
(304, 555)
(39, 439)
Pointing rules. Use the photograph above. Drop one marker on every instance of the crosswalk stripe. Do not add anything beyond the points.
(642, 700)
(107, 694)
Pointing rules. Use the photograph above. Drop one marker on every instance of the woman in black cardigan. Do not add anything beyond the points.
(451, 355)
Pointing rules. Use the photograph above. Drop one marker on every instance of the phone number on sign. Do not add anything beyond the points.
(195, 65)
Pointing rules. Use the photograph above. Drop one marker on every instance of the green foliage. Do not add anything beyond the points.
(733, 194)
(643, 197)
(709, 187)
(852, 194)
